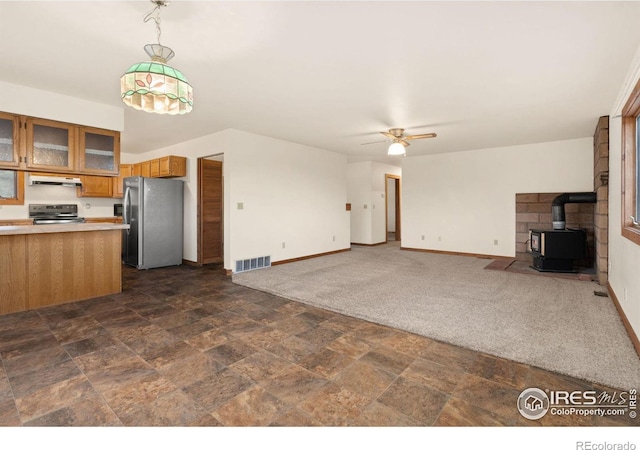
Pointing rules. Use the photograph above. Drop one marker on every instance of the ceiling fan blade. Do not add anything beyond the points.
(405, 143)
(421, 136)
(374, 142)
(389, 135)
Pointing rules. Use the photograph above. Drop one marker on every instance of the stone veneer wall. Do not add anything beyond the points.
(601, 188)
(533, 211)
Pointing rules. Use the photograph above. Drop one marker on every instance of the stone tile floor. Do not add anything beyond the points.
(184, 346)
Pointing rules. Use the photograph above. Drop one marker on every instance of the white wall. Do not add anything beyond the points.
(359, 195)
(624, 255)
(366, 191)
(463, 202)
(87, 207)
(32, 102)
(291, 194)
(48, 105)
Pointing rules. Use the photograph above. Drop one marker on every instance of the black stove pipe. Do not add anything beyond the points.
(557, 206)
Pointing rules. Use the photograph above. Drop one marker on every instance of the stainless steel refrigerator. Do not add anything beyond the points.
(153, 208)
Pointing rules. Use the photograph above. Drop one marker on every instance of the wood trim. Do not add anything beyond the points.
(19, 198)
(398, 212)
(625, 321)
(199, 213)
(302, 258)
(630, 111)
(443, 252)
(370, 245)
(227, 272)
(186, 262)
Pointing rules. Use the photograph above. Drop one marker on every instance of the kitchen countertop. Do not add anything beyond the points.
(62, 228)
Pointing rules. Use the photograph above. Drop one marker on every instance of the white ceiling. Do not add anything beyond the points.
(334, 74)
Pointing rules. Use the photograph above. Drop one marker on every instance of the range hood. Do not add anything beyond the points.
(54, 180)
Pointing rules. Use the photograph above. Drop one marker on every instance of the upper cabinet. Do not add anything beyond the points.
(50, 145)
(172, 166)
(165, 167)
(99, 151)
(9, 150)
(29, 143)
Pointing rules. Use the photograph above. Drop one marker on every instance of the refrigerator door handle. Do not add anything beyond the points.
(127, 205)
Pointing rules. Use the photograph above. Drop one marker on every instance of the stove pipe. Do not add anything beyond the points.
(557, 207)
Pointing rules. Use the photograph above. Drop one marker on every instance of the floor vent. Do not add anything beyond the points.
(242, 265)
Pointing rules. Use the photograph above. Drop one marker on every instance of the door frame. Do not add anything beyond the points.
(387, 177)
(199, 216)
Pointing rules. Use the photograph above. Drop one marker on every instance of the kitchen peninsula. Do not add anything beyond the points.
(53, 264)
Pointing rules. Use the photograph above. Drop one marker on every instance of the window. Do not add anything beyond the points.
(630, 160)
(11, 187)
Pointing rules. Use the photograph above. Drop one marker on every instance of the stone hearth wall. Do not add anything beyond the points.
(601, 188)
(533, 211)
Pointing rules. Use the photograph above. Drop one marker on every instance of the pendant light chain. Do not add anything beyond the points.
(155, 16)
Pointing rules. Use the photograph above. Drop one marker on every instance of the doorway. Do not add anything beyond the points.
(210, 210)
(392, 207)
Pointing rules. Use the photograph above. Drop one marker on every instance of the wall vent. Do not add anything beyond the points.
(243, 265)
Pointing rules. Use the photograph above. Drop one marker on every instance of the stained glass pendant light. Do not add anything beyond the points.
(154, 86)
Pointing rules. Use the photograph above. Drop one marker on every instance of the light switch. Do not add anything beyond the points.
(240, 205)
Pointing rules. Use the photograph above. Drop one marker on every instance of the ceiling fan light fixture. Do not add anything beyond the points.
(396, 149)
(154, 86)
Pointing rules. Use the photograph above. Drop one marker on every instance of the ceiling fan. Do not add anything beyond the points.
(399, 140)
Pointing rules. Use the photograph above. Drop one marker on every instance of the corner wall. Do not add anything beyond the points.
(290, 193)
(624, 255)
(464, 202)
(366, 193)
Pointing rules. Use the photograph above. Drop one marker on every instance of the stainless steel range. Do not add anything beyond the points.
(54, 214)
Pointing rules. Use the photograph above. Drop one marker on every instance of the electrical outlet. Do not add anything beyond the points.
(334, 238)
(283, 245)
(365, 206)
(240, 205)
(422, 237)
(439, 238)
(87, 205)
(495, 242)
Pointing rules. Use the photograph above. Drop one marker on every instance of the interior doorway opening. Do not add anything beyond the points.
(392, 207)
(210, 210)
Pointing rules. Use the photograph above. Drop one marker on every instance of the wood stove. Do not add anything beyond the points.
(557, 250)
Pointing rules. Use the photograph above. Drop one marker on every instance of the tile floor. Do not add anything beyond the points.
(184, 346)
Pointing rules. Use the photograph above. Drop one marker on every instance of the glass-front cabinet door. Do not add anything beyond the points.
(99, 151)
(9, 151)
(50, 145)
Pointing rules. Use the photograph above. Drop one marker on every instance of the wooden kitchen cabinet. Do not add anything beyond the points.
(33, 144)
(126, 170)
(10, 154)
(13, 266)
(50, 145)
(154, 168)
(93, 186)
(145, 169)
(165, 167)
(41, 267)
(173, 166)
(98, 151)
